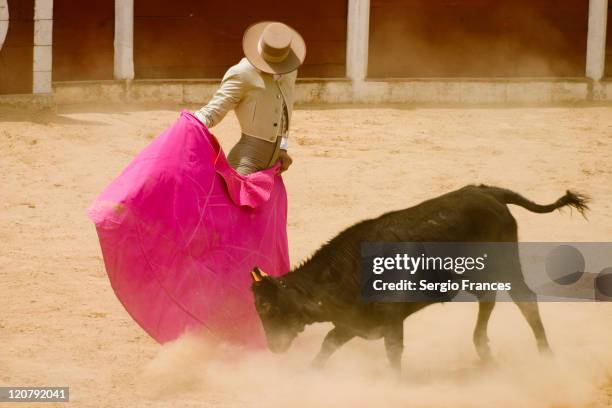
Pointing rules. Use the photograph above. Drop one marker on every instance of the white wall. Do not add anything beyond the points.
(4, 21)
(124, 39)
(43, 43)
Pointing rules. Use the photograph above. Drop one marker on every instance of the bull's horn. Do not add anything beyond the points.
(258, 274)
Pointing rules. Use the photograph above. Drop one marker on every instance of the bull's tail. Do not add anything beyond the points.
(571, 199)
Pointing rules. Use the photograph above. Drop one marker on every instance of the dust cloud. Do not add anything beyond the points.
(440, 366)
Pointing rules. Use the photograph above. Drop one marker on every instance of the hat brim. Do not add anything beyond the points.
(296, 56)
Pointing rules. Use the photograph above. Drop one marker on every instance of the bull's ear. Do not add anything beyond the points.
(258, 274)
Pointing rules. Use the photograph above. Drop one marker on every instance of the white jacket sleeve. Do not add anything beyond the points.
(225, 99)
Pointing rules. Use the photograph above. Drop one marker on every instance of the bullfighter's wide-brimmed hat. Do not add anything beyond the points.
(273, 47)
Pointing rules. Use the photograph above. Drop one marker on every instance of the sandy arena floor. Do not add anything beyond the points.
(62, 325)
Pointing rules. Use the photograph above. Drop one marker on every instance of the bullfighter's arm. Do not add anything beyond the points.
(225, 99)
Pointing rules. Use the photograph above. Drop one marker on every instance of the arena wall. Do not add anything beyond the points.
(478, 38)
(83, 46)
(16, 56)
(418, 91)
(359, 51)
(201, 39)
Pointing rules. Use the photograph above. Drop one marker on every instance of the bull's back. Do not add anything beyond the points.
(463, 215)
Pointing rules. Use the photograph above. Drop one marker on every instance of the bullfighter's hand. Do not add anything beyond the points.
(285, 159)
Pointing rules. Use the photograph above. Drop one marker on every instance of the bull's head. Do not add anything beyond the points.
(280, 313)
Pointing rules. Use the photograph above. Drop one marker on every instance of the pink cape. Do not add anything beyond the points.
(180, 231)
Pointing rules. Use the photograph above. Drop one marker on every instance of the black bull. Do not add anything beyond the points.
(326, 288)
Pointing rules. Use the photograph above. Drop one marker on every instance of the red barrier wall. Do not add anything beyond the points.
(16, 55)
(477, 38)
(201, 39)
(83, 37)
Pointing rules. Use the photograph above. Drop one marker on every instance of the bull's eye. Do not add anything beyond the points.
(265, 307)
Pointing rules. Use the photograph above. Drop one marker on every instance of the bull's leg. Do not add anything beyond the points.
(333, 340)
(531, 313)
(526, 301)
(394, 344)
(481, 340)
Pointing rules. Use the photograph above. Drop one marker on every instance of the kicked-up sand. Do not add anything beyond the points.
(60, 323)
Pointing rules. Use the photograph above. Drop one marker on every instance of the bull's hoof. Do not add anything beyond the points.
(317, 364)
(546, 351)
(488, 363)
